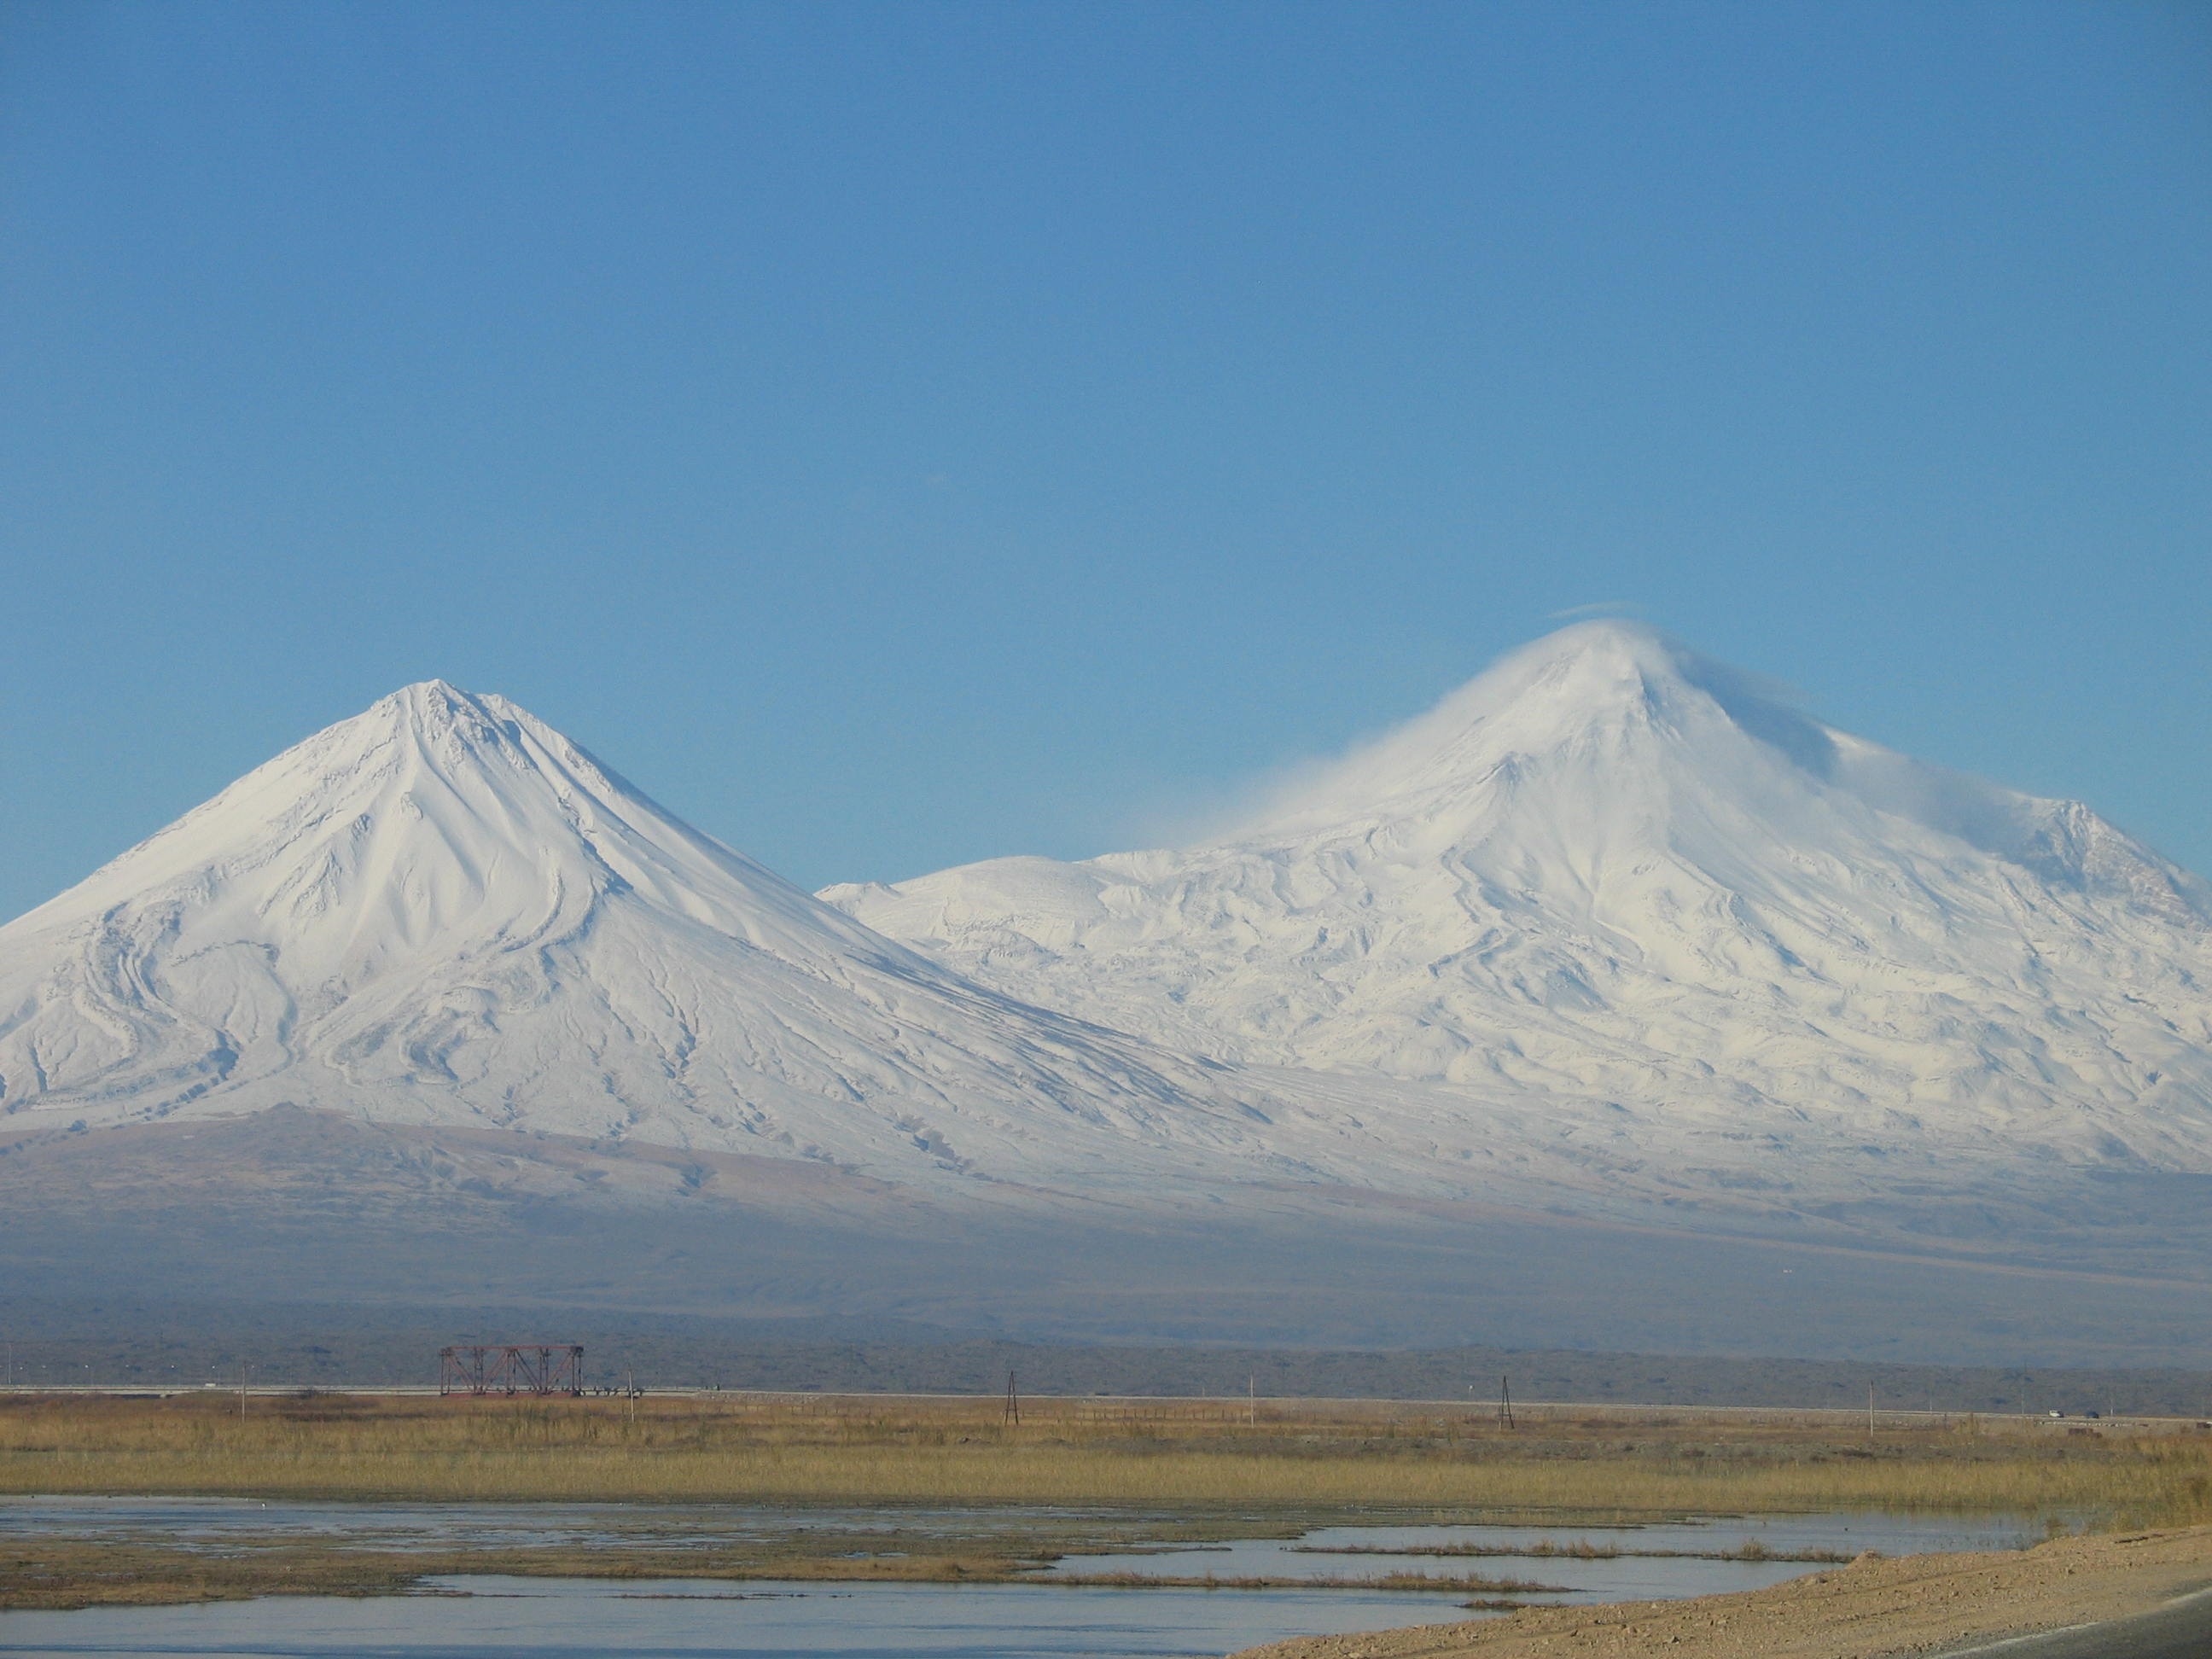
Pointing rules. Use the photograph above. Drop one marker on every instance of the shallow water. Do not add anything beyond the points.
(755, 1620)
(572, 1618)
(1627, 1576)
(212, 1522)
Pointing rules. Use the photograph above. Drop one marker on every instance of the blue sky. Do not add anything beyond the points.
(896, 435)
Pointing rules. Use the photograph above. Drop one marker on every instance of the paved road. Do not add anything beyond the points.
(2180, 1630)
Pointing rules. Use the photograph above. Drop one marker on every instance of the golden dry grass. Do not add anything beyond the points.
(1191, 1454)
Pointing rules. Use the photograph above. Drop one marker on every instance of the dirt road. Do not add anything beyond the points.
(1872, 1609)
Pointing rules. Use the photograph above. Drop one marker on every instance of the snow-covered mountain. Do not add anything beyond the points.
(1655, 918)
(1610, 933)
(442, 911)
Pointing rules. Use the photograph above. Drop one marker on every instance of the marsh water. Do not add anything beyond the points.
(570, 1618)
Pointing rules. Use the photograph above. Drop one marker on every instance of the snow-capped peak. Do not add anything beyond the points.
(434, 810)
(1587, 695)
(441, 909)
(1613, 736)
(1608, 868)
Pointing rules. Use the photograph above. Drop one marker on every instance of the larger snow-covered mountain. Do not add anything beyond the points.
(443, 912)
(1656, 919)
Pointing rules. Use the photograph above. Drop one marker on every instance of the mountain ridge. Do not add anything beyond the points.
(1612, 931)
(1616, 999)
(1609, 871)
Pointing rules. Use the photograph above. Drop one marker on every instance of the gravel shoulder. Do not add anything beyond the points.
(1873, 1608)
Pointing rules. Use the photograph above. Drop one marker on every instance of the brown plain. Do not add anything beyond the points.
(1297, 1455)
(1221, 1468)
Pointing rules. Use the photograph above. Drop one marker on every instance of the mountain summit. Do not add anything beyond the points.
(1608, 727)
(442, 911)
(1609, 875)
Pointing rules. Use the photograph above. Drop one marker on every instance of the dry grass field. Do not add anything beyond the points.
(1189, 1455)
(942, 1488)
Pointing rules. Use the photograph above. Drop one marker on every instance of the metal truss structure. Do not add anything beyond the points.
(538, 1368)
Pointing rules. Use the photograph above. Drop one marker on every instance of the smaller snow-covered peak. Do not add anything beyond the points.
(434, 707)
(434, 711)
(425, 696)
(434, 808)
(442, 910)
(431, 706)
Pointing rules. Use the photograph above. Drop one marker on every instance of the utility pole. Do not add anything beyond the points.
(1013, 1414)
(1869, 1410)
(1252, 1400)
(1505, 1402)
(241, 1391)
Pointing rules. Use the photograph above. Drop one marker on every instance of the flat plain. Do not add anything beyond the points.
(956, 1491)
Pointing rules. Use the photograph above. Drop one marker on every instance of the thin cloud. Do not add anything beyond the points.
(1603, 608)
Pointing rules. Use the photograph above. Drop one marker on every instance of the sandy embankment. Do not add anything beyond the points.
(1868, 1610)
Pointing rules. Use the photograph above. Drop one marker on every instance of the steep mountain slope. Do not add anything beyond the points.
(1658, 922)
(442, 911)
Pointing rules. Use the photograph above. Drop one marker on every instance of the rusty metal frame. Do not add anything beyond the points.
(512, 1368)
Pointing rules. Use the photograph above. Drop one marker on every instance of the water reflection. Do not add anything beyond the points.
(753, 1620)
(570, 1618)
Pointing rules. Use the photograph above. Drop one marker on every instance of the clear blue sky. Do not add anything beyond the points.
(897, 435)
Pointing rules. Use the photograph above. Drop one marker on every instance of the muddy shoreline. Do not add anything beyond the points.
(1873, 1608)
